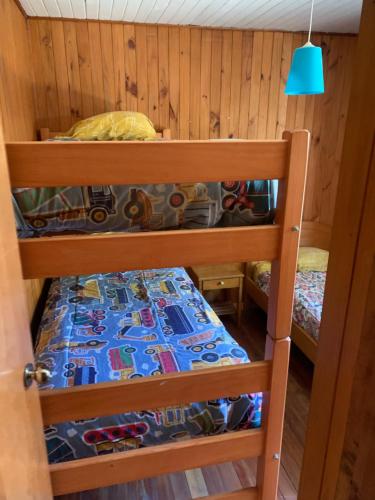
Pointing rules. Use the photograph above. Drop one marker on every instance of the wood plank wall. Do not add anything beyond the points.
(16, 94)
(201, 83)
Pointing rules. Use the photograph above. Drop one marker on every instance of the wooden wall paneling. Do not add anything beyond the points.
(235, 84)
(40, 101)
(108, 67)
(247, 53)
(59, 54)
(142, 68)
(184, 83)
(195, 82)
(215, 90)
(256, 74)
(73, 71)
(84, 61)
(301, 99)
(152, 74)
(286, 59)
(226, 68)
(47, 62)
(331, 99)
(96, 67)
(174, 81)
(131, 86)
(205, 88)
(163, 62)
(119, 66)
(292, 100)
(273, 101)
(265, 80)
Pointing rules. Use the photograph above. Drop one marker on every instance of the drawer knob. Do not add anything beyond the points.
(221, 283)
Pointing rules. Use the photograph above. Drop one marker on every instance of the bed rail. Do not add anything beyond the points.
(160, 391)
(173, 162)
(69, 255)
(44, 164)
(105, 470)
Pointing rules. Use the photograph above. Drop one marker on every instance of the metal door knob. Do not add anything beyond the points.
(221, 283)
(40, 374)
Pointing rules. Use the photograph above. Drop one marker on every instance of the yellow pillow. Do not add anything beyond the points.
(114, 126)
(259, 267)
(312, 259)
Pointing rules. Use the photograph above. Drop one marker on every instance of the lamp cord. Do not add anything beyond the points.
(311, 16)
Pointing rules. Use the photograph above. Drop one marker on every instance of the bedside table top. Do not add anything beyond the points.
(218, 271)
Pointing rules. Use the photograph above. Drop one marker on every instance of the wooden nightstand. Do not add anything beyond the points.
(221, 277)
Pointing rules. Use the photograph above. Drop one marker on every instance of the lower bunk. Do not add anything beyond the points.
(142, 325)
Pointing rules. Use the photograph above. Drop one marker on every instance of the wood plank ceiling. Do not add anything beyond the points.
(335, 16)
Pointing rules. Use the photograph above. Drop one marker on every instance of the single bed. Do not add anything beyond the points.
(121, 326)
(308, 292)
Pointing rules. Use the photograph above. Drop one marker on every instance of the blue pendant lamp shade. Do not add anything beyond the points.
(306, 73)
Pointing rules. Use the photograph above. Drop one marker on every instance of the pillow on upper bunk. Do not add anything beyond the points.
(114, 126)
(312, 259)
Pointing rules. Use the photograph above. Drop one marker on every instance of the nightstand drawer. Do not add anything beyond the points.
(217, 284)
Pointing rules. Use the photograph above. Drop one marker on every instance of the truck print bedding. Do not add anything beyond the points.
(136, 324)
(143, 207)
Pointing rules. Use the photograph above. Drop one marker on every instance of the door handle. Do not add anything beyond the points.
(40, 373)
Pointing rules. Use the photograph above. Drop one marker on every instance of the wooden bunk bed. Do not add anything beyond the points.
(313, 234)
(165, 162)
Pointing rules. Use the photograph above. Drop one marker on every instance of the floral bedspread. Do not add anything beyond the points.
(308, 298)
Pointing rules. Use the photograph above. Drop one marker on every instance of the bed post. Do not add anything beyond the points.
(290, 201)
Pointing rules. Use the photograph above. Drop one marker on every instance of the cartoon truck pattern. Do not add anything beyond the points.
(210, 359)
(119, 298)
(89, 322)
(176, 321)
(87, 293)
(122, 363)
(58, 449)
(80, 371)
(144, 318)
(201, 341)
(140, 212)
(78, 347)
(98, 203)
(116, 438)
(163, 355)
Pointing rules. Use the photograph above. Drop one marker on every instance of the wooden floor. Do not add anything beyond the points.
(236, 475)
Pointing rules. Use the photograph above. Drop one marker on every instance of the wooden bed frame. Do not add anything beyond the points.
(40, 164)
(313, 234)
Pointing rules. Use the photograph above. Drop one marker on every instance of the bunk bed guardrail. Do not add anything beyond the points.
(34, 164)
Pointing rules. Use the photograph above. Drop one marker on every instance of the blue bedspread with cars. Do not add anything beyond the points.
(125, 325)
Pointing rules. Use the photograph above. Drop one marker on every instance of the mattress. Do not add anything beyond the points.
(41, 211)
(308, 298)
(124, 325)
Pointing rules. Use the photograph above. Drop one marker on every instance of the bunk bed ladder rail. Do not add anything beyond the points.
(156, 163)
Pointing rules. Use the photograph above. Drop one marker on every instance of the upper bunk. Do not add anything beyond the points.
(79, 163)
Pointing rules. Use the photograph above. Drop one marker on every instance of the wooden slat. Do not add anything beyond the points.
(104, 470)
(67, 255)
(34, 164)
(111, 398)
(244, 494)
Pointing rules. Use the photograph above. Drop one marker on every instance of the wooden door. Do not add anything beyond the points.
(23, 460)
(340, 447)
